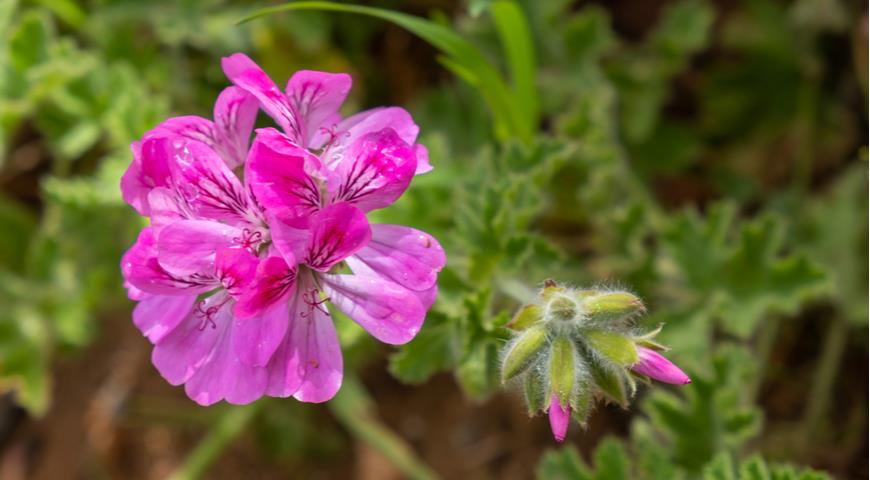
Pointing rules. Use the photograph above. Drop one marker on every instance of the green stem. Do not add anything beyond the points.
(766, 341)
(354, 409)
(228, 427)
(826, 374)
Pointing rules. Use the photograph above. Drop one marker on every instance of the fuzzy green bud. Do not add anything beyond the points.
(611, 382)
(527, 316)
(535, 391)
(523, 351)
(561, 308)
(617, 348)
(613, 305)
(581, 403)
(562, 363)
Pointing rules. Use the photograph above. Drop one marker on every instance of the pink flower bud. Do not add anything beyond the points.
(559, 419)
(652, 364)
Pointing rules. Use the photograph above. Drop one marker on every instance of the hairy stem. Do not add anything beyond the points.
(353, 408)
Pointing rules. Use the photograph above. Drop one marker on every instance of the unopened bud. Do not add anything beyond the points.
(611, 382)
(613, 305)
(560, 417)
(523, 351)
(562, 361)
(655, 366)
(535, 391)
(616, 348)
(527, 316)
(561, 308)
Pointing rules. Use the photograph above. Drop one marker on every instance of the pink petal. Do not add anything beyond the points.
(235, 112)
(223, 376)
(247, 75)
(559, 419)
(184, 350)
(374, 172)
(404, 255)
(235, 268)
(149, 169)
(189, 127)
(652, 364)
(156, 316)
(375, 120)
(425, 297)
(337, 232)
(309, 363)
(188, 247)
(281, 176)
(273, 282)
(208, 185)
(142, 270)
(257, 338)
(389, 312)
(317, 97)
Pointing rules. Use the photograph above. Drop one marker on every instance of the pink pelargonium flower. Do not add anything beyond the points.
(232, 275)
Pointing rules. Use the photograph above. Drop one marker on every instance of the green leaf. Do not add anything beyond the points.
(18, 226)
(563, 464)
(516, 38)
(430, 352)
(29, 41)
(492, 87)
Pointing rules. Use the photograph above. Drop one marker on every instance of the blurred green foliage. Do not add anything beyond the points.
(711, 164)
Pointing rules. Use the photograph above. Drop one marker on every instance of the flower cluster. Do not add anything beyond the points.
(249, 240)
(572, 346)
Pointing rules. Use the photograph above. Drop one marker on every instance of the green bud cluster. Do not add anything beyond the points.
(575, 344)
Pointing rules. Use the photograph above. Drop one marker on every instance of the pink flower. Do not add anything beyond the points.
(232, 275)
(560, 418)
(652, 364)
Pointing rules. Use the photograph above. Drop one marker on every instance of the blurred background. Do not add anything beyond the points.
(709, 155)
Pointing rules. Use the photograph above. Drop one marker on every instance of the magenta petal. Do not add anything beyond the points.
(257, 338)
(223, 376)
(235, 268)
(374, 172)
(209, 186)
(375, 120)
(180, 353)
(188, 247)
(149, 169)
(273, 281)
(317, 97)
(235, 112)
(309, 363)
(406, 256)
(559, 419)
(389, 312)
(652, 364)
(280, 175)
(158, 315)
(142, 270)
(247, 75)
(189, 127)
(337, 232)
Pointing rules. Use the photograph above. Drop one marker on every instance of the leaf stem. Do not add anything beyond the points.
(354, 409)
(826, 374)
(228, 427)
